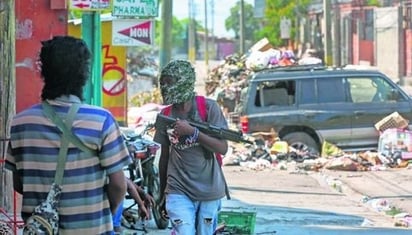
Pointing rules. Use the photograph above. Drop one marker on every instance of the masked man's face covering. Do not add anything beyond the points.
(177, 82)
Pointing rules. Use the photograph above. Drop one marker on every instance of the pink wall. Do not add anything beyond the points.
(225, 49)
(355, 49)
(408, 52)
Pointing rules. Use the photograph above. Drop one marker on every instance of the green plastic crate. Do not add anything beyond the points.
(238, 222)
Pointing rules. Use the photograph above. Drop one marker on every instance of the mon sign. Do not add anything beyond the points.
(136, 8)
(131, 32)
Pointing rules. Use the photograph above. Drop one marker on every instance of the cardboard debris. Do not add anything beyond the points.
(394, 120)
(262, 45)
(371, 157)
(343, 163)
(269, 137)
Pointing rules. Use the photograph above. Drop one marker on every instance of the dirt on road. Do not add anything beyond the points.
(343, 193)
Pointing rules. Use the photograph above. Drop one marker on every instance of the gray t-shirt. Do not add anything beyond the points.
(191, 170)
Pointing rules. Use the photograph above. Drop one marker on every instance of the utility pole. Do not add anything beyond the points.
(242, 28)
(327, 33)
(165, 53)
(91, 34)
(7, 95)
(213, 28)
(206, 40)
(192, 33)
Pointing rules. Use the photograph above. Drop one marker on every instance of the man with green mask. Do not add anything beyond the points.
(190, 176)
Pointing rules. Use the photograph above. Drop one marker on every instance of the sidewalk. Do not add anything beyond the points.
(379, 190)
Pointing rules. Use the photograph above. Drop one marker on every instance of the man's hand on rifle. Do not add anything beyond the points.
(182, 128)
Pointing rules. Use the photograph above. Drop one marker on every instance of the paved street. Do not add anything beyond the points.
(302, 199)
(330, 202)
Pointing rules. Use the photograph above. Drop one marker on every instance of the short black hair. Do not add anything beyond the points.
(65, 66)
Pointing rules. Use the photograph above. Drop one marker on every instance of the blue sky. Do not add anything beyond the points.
(221, 12)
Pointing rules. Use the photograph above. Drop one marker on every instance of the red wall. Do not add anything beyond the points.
(366, 51)
(35, 21)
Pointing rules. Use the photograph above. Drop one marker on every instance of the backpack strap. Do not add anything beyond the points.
(167, 110)
(201, 107)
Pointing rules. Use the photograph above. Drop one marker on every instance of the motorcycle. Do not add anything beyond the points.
(143, 171)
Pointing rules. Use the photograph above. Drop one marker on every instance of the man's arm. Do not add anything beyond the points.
(163, 162)
(213, 144)
(116, 190)
(132, 190)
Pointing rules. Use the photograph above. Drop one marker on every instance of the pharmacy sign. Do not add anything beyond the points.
(135, 8)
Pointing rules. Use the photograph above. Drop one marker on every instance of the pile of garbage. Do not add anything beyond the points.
(225, 82)
(279, 155)
(394, 151)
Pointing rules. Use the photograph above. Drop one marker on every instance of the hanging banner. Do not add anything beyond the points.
(90, 5)
(135, 8)
(131, 32)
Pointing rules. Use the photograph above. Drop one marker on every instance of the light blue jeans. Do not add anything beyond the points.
(192, 217)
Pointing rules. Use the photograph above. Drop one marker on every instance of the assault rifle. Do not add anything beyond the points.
(163, 121)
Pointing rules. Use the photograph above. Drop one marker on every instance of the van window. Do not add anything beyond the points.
(275, 93)
(324, 90)
(308, 91)
(331, 90)
(371, 89)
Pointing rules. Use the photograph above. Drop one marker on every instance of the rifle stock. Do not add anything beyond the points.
(163, 121)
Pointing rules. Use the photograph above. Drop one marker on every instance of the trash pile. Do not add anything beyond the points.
(394, 151)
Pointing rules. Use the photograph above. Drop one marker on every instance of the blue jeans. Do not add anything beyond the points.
(117, 218)
(191, 217)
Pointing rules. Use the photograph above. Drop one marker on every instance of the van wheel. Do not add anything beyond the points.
(302, 142)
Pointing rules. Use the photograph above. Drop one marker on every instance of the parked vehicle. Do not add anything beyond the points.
(307, 105)
(144, 170)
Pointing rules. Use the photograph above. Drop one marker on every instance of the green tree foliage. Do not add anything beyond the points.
(251, 23)
(275, 11)
(376, 3)
(178, 32)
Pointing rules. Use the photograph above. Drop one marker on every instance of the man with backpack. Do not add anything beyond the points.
(190, 175)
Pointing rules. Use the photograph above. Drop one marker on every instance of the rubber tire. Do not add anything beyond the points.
(302, 141)
(154, 190)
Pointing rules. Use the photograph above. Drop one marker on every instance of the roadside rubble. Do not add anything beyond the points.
(349, 162)
(226, 81)
(394, 151)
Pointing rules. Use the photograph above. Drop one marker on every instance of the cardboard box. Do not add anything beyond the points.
(262, 45)
(394, 120)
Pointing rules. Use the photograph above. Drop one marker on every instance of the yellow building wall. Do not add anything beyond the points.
(114, 64)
